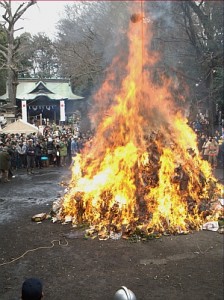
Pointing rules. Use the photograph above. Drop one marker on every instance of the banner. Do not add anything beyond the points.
(62, 110)
(24, 111)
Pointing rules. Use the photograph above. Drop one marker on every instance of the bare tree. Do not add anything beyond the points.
(204, 27)
(9, 51)
(187, 34)
(87, 39)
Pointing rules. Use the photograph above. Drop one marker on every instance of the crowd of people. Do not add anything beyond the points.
(55, 147)
(210, 146)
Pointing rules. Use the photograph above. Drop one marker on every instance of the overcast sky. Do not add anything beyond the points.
(41, 17)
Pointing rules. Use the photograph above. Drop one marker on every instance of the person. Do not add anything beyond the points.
(30, 152)
(50, 150)
(124, 294)
(69, 151)
(58, 159)
(213, 150)
(221, 153)
(38, 153)
(21, 150)
(201, 142)
(32, 289)
(63, 152)
(5, 164)
(74, 146)
(205, 149)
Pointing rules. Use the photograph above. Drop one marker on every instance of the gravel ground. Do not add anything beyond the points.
(71, 267)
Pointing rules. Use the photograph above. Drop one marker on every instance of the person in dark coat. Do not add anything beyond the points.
(38, 153)
(69, 151)
(221, 155)
(5, 164)
(30, 152)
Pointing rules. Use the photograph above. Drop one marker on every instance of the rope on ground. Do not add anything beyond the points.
(203, 252)
(35, 249)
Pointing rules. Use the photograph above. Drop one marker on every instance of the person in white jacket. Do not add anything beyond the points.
(21, 150)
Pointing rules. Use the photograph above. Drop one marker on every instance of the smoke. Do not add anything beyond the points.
(160, 11)
(98, 30)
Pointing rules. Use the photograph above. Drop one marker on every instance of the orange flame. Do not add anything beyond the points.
(139, 172)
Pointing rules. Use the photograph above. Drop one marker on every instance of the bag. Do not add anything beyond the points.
(44, 157)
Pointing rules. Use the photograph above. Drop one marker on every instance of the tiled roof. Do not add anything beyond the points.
(56, 89)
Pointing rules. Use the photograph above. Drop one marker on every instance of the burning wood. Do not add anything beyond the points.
(161, 206)
(143, 173)
(136, 17)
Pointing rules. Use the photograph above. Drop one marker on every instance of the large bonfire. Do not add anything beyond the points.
(142, 172)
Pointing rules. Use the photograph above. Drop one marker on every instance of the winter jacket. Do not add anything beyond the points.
(21, 149)
(30, 151)
(4, 160)
(63, 149)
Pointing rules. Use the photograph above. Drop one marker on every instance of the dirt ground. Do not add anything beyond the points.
(71, 267)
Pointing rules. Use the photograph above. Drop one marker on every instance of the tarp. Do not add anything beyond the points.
(19, 127)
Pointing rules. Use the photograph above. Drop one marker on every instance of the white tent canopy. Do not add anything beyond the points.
(20, 127)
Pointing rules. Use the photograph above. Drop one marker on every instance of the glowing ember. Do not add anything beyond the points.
(140, 173)
(136, 17)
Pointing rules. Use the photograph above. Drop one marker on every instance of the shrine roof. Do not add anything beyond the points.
(55, 89)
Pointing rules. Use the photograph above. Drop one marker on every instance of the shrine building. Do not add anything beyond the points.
(45, 101)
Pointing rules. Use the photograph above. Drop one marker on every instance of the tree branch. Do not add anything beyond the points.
(87, 73)
(203, 18)
(19, 12)
(3, 48)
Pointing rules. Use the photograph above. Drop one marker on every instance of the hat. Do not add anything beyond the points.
(30, 140)
(32, 289)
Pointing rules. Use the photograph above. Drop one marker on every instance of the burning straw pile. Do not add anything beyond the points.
(142, 173)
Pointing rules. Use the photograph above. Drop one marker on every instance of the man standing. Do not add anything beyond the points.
(213, 150)
(5, 163)
(21, 150)
(221, 153)
(30, 152)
